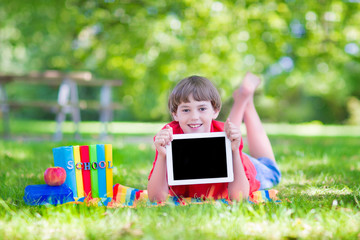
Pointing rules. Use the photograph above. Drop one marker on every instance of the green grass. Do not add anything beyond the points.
(320, 196)
(93, 129)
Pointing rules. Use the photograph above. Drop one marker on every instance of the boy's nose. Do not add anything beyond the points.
(195, 116)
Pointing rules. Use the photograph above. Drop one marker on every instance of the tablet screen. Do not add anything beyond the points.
(199, 158)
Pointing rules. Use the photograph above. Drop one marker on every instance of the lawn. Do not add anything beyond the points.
(320, 196)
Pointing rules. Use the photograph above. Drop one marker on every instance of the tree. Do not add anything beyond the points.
(306, 51)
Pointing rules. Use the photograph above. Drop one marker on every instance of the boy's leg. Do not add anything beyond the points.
(258, 141)
(244, 109)
(242, 96)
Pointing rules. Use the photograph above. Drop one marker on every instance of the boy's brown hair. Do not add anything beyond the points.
(200, 88)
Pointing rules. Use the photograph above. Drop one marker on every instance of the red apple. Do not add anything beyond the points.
(55, 176)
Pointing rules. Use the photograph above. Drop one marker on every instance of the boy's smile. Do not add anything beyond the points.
(194, 125)
(195, 116)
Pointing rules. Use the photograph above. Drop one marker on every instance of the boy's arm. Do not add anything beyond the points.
(158, 188)
(239, 188)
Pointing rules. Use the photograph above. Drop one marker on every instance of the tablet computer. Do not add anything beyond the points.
(199, 158)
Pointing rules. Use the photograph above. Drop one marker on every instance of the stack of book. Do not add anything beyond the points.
(89, 176)
(88, 169)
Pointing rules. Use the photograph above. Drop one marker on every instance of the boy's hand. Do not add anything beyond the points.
(233, 134)
(163, 138)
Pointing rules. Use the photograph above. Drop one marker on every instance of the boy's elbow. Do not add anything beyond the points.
(158, 197)
(239, 193)
(238, 196)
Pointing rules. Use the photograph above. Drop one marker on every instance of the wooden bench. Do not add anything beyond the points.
(67, 102)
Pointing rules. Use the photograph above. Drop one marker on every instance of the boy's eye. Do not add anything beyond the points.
(186, 110)
(202, 109)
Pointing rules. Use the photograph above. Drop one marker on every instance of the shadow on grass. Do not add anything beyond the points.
(328, 174)
(308, 197)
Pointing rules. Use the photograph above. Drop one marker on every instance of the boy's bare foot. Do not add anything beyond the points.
(248, 85)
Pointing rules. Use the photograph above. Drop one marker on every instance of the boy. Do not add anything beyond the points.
(194, 105)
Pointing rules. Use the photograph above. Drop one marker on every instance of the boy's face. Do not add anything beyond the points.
(194, 116)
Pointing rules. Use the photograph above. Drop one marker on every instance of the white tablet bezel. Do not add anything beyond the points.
(229, 161)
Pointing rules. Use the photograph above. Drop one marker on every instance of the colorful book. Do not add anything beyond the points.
(109, 167)
(94, 171)
(101, 164)
(84, 155)
(64, 157)
(78, 172)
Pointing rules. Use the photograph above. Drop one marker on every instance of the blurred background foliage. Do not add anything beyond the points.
(306, 51)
